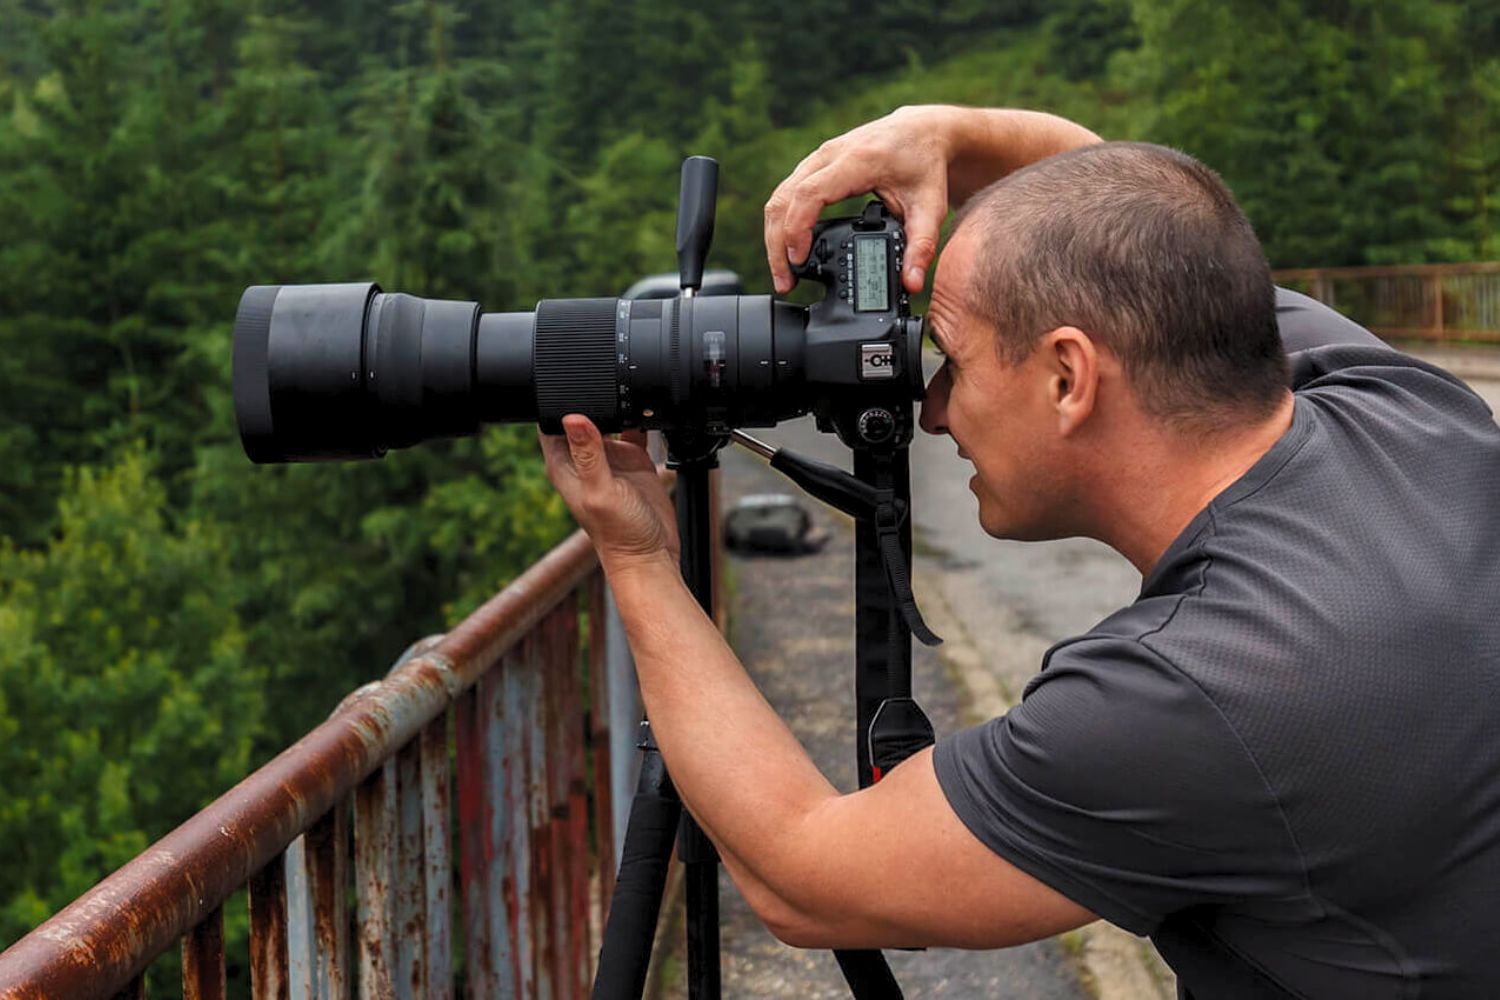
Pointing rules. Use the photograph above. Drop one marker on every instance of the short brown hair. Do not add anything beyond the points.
(1144, 249)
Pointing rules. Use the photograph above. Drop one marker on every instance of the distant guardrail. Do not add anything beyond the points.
(1436, 303)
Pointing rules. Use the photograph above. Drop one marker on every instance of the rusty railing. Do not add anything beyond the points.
(527, 694)
(1440, 303)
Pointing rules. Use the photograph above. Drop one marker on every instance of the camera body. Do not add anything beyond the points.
(864, 348)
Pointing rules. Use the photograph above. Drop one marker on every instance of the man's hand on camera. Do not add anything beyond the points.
(902, 157)
(919, 160)
(615, 493)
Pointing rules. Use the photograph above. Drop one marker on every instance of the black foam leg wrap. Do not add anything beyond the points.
(625, 954)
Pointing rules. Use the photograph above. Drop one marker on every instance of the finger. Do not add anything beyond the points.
(554, 453)
(814, 193)
(625, 456)
(924, 222)
(586, 448)
(781, 274)
(775, 213)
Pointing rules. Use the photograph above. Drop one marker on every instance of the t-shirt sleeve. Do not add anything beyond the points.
(1307, 323)
(1118, 783)
(1326, 349)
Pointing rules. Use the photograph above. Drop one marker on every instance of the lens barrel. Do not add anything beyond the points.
(331, 372)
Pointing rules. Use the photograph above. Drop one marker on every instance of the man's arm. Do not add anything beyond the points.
(888, 866)
(891, 865)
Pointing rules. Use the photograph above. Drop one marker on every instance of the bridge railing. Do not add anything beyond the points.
(1440, 303)
(506, 718)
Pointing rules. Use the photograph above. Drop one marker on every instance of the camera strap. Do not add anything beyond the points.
(889, 725)
(892, 726)
(888, 518)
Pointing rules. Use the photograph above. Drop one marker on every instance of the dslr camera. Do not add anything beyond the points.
(348, 371)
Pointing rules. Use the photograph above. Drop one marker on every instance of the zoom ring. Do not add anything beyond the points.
(574, 362)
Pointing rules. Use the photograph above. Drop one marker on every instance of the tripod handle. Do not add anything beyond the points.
(696, 201)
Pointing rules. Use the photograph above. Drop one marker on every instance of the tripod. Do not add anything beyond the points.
(889, 725)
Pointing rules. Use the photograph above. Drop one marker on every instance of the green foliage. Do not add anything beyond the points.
(126, 697)
(1353, 133)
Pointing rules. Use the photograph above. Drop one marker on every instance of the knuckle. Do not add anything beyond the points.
(806, 190)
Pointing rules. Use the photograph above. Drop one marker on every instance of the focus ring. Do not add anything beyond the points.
(574, 362)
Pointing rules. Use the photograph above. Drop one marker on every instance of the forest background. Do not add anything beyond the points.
(171, 616)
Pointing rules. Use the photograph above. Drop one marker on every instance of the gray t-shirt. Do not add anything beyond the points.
(1282, 762)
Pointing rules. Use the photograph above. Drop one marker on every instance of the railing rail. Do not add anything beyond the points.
(527, 692)
(1439, 303)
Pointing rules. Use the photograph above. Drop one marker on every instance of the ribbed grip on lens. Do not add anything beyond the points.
(574, 362)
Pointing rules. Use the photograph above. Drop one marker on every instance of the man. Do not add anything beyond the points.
(1282, 762)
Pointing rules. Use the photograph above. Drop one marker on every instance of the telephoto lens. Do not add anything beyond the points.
(346, 371)
(349, 371)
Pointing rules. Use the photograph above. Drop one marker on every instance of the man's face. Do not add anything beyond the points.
(996, 413)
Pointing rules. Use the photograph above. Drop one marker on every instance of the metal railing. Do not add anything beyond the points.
(524, 681)
(1440, 303)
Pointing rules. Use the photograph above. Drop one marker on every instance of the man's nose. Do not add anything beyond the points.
(934, 419)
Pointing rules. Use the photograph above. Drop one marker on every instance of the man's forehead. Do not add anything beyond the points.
(951, 289)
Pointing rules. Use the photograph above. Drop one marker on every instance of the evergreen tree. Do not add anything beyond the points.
(126, 699)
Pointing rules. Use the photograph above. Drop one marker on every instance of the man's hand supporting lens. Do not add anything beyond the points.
(888, 866)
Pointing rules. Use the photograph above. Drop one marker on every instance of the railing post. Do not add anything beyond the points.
(473, 842)
(438, 877)
(374, 866)
(133, 990)
(268, 964)
(624, 720)
(601, 738)
(408, 890)
(317, 909)
(1436, 282)
(203, 959)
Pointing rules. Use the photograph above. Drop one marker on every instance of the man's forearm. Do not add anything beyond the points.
(985, 144)
(736, 765)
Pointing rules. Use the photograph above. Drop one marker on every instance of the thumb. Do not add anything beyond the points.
(586, 446)
(923, 221)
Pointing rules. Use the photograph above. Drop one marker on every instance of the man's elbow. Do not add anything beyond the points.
(788, 923)
(796, 930)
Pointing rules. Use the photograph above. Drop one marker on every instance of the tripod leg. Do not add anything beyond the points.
(655, 812)
(868, 975)
(701, 866)
(694, 502)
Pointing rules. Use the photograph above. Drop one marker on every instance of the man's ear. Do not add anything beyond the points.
(1073, 376)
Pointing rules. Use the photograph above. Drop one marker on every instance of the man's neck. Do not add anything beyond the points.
(1169, 482)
